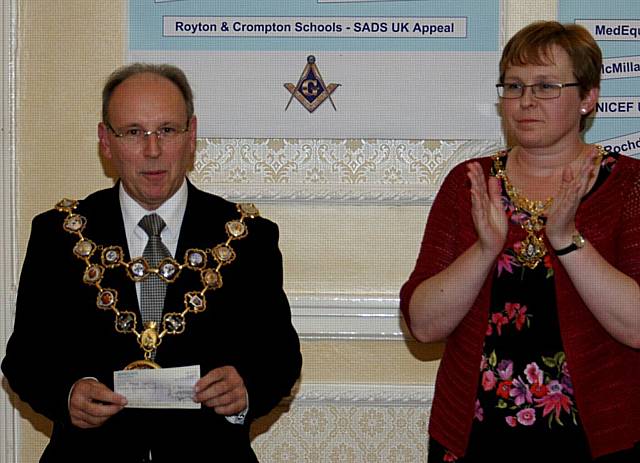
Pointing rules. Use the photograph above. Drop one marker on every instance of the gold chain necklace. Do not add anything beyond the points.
(138, 269)
(532, 248)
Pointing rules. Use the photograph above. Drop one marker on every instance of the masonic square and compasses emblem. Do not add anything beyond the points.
(311, 91)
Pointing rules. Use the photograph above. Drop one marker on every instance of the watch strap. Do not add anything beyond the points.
(577, 243)
(565, 250)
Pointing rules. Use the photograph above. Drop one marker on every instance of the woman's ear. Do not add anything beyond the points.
(589, 100)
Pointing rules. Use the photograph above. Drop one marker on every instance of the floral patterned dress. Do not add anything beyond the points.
(525, 406)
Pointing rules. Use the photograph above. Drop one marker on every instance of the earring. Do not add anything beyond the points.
(583, 110)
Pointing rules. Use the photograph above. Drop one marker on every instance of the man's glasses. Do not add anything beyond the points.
(136, 136)
(542, 90)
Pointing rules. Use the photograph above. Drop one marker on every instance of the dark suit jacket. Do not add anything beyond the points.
(60, 335)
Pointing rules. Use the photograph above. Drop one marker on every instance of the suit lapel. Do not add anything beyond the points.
(107, 229)
(202, 228)
(202, 224)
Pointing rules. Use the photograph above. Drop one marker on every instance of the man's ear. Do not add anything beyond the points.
(193, 133)
(105, 144)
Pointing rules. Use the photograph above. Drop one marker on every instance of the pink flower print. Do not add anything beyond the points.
(479, 414)
(538, 390)
(489, 330)
(519, 217)
(566, 382)
(517, 312)
(503, 389)
(534, 373)
(498, 319)
(554, 387)
(511, 309)
(511, 421)
(488, 380)
(508, 207)
(505, 369)
(483, 363)
(448, 456)
(521, 318)
(554, 402)
(520, 392)
(548, 264)
(526, 416)
(506, 262)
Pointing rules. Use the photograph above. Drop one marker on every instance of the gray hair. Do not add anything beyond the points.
(168, 71)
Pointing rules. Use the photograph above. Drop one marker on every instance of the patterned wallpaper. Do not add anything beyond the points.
(354, 170)
(354, 423)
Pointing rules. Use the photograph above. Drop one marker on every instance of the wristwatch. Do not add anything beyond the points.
(577, 242)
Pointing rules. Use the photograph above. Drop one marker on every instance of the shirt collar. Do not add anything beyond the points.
(171, 211)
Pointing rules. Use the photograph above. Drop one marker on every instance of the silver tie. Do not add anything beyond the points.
(152, 288)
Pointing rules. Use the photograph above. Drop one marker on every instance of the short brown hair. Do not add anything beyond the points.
(532, 45)
(168, 71)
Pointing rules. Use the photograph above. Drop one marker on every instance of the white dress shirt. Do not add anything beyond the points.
(171, 211)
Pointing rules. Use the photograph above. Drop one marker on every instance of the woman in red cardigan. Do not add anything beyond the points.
(529, 268)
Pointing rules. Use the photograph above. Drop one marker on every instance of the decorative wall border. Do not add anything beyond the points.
(351, 170)
(357, 316)
(370, 395)
(347, 422)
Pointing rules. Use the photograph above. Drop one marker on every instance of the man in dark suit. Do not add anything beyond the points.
(81, 301)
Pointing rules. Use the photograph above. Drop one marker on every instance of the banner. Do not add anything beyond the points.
(417, 69)
(615, 25)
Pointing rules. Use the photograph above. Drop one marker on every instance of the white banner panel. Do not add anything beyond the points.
(319, 27)
(316, 69)
(615, 24)
(381, 95)
(626, 144)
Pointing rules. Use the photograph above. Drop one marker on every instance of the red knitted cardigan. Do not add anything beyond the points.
(604, 372)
